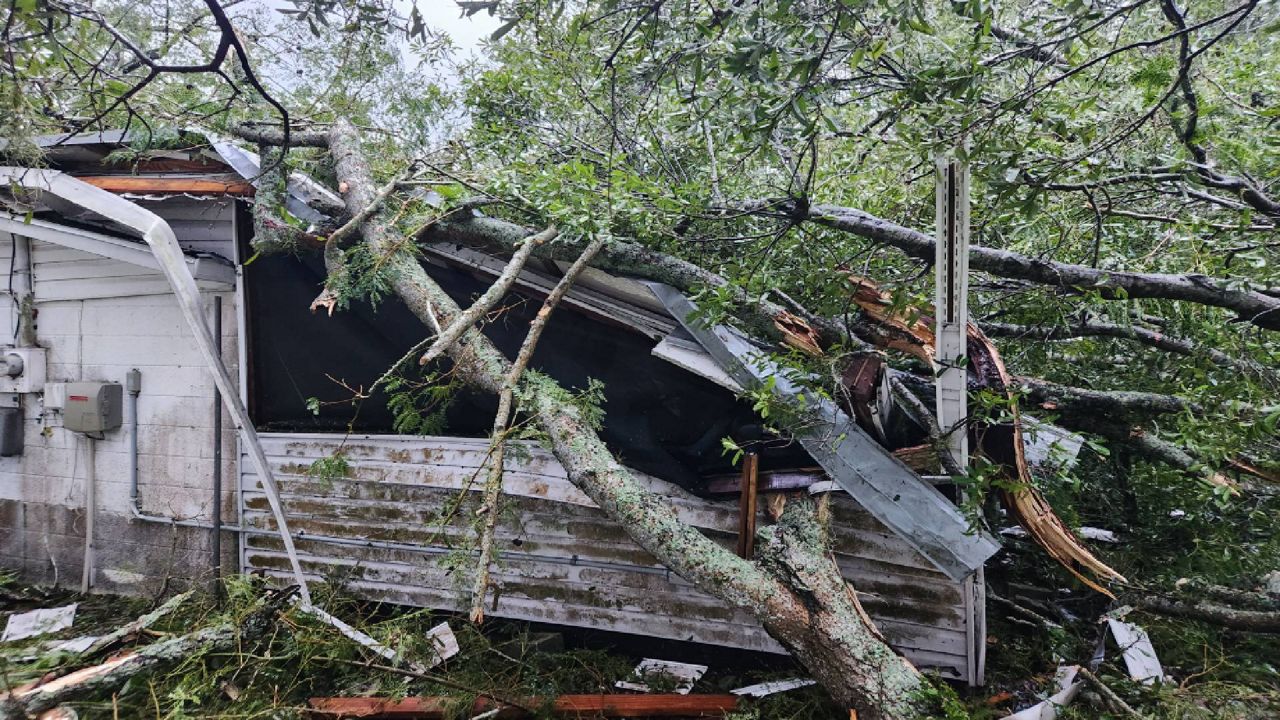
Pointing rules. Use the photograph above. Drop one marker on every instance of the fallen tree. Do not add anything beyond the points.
(792, 587)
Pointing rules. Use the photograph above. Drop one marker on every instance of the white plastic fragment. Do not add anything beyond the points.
(763, 689)
(441, 636)
(75, 645)
(1139, 655)
(444, 642)
(1088, 533)
(39, 622)
(1067, 689)
(1099, 535)
(684, 674)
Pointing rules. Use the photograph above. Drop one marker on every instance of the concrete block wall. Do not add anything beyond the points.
(42, 492)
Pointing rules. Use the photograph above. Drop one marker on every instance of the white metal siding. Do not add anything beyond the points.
(563, 560)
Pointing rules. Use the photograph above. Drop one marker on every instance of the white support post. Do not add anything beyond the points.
(951, 307)
(951, 302)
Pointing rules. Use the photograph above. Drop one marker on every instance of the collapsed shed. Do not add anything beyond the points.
(387, 513)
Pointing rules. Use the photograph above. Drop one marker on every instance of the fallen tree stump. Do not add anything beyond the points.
(587, 706)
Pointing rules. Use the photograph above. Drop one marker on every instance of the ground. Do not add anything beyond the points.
(301, 658)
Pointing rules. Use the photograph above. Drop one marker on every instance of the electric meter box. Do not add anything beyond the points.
(93, 407)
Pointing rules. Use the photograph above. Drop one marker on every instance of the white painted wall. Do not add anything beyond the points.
(97, 319)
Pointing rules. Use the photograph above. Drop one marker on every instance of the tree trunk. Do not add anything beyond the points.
(795, 591)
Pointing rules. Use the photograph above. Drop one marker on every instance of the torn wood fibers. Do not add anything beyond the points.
(914, 336)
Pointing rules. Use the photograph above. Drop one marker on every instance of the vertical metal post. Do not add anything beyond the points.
(217, 461)
(951, 272)
(951, 307)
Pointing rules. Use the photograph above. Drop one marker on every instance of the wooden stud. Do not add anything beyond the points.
(199, 186)
(770, 481)
(747, 505)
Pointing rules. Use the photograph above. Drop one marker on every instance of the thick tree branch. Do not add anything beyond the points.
(493, 484)
(1145, 336)
(1250, 305)
(1257, 621)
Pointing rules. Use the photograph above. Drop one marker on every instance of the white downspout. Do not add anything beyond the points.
(164, 246)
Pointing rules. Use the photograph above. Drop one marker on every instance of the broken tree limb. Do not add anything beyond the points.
(137, 626)
(1114, 702)
(491, 296)
(1135, 333)
(1146, 443)
(336, 276)
(108, 677)
(1249, 304)
(818, 625)
(1256, 621)
(1053, 396)
(493, 483)
(758, 314)
(914, 335)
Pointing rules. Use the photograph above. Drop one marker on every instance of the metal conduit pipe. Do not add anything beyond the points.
(215, 515)
(90, 506)
(133, 386)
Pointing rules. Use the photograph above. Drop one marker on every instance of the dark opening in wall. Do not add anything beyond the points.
(658, 418)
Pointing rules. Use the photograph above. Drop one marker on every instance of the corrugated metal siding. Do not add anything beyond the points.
(563, 561)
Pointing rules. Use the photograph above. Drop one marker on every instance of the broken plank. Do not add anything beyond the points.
(768, 481)
(747, 506)
(169, 185)
(608, 706)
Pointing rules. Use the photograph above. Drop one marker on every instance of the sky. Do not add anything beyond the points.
(444, 15)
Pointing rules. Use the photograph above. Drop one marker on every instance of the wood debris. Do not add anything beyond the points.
(913, 334)
(684, 674)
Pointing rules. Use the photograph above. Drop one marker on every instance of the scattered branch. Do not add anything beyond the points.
(1249, 304)
(485, 302)
(493, 484)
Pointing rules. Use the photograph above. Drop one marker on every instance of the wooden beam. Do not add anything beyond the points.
(167, 185)
(747, 506)
(768, 481)
(585, 706)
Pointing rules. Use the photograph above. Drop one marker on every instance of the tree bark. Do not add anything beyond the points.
(792, 595)
(1250, 305)
(109, 677)
(1258, 621)
(1145, 336)
(501, 421)
(760, 316)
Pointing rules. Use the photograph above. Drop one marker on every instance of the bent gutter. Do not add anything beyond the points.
(164, 247)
